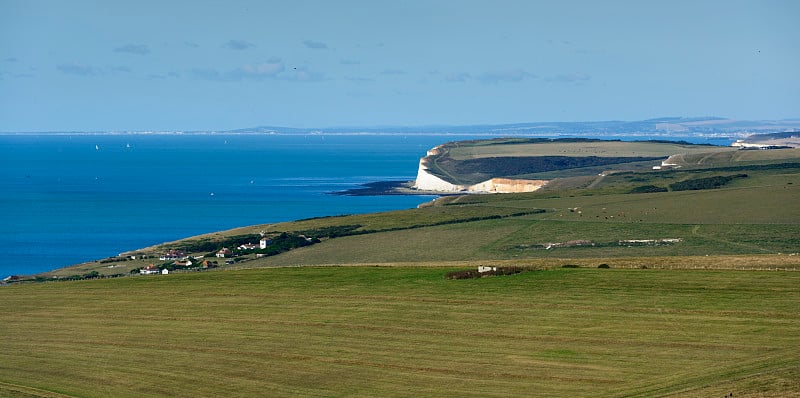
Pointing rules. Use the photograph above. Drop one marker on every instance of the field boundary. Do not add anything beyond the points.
(767, 262)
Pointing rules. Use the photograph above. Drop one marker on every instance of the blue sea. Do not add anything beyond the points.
(69, 199)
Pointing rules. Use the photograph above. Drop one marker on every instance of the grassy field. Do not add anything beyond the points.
(470, 162)
(566, 148)
(382, 331)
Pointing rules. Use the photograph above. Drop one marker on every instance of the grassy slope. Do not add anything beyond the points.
(406, 332)
(448, 163)
(755, 215)
(600, 149)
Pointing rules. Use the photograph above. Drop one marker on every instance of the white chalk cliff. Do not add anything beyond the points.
(428, 182)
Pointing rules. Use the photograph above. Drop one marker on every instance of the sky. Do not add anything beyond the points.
(180, 65)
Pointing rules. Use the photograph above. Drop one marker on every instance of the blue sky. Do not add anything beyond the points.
(215, 65)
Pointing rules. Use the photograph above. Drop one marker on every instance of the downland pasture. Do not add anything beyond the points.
(406, 331)
(701, 298)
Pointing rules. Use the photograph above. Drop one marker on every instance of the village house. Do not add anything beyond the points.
(150, 270)
(248, 246)
(264, 242)
(183, 263)
(225, 252)
(173, 255)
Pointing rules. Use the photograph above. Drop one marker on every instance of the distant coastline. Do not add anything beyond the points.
(658, 127)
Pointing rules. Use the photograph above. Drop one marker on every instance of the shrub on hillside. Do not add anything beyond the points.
(472, 273)
(704, 183)
(648, 189)
(332, 231)
(463, 274)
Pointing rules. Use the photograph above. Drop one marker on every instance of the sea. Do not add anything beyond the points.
(71, 198)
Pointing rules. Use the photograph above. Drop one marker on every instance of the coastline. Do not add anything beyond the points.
(385, 188)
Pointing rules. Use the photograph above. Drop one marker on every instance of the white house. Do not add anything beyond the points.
(173, 255)
(264, 242)
(149, 270)
(164, 271)
(183, 263)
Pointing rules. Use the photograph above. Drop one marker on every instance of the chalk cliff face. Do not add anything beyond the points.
(506, 185)
(428, 182)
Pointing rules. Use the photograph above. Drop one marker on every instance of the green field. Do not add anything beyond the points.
(520, 147)
(470, 162)
(376, 331)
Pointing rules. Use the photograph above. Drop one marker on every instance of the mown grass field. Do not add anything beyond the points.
(382, 331)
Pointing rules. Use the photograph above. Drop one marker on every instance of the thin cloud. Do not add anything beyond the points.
(10, 59)
(235, 44)
(78, 70)
(505, 76)
(304, 75)
(458, 77)
(170, 75)
(359, 79)
(17, 75)
(272, 69)
(315, 45)
(137, 49)
(262, 70)
(88, 70)
(123, 69)
(206, 74)
(349, 62)
(393, 72)
(571, 78)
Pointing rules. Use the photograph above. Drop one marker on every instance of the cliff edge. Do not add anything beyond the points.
(427, 181)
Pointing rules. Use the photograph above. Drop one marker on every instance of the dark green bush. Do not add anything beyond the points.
(648, 189)
(472, 273)
(704, 183)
